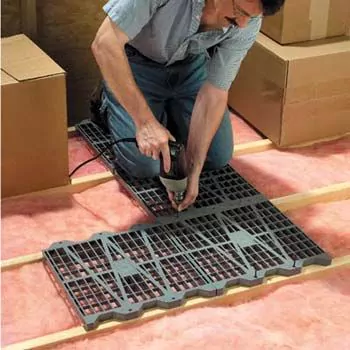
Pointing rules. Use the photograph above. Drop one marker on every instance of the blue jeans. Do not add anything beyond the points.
(171, 93)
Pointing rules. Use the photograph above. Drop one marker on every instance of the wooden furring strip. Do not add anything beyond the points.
(77, 185)
(253, 147)
(331, 193)
(19, 261)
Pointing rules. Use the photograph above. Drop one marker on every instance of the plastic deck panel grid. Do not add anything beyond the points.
(117, 276)
(97, 139)
(217, 187)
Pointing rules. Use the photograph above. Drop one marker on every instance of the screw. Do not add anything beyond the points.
(179, 197)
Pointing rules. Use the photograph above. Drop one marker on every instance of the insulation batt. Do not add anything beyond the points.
(30, 225)
(111, 203)
(242, 132)
(312, 315)
(79, 152)
(29, 296)
(31, 305)
(328, 224)
(278, 173)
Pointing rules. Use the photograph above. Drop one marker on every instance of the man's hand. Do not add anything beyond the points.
(206, 117)
(191, 192)
(153, 139)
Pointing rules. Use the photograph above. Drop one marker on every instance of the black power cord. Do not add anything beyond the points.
(127, 139)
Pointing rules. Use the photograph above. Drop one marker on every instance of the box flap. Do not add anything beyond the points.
(7, 79)
(306, 49)
(23, 60)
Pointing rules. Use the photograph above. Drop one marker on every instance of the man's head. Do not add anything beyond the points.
(239, 12)
(244, 10)
(270, 7)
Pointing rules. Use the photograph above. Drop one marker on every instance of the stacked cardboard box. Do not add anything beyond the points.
(303, 20)
(34, 140)
(298, 92)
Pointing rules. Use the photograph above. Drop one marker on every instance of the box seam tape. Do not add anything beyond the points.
(319, 14)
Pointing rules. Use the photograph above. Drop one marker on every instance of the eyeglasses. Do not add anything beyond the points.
(240, 11)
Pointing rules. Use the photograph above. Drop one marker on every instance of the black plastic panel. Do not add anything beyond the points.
(217, 187)
(117, 276)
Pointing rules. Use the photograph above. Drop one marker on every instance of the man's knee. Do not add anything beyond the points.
(220, 158)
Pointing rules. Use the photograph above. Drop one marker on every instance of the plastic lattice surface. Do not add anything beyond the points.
(223, 187)
(217, 187)
(117, 276)
(98, 140)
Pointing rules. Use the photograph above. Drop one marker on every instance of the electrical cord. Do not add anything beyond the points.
(127, 139)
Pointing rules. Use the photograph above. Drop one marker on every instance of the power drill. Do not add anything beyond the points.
(176, 179)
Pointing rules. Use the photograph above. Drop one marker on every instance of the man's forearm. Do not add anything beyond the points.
(206, 118)
(108, 50)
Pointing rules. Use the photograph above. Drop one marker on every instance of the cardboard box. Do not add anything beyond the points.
(303, 20)
(34, 138)
(295, 94)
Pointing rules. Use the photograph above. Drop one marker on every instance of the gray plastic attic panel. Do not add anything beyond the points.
(223, 187)
(118, 276)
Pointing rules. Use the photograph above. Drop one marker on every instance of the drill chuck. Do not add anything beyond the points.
(179, 197)
(178, 187)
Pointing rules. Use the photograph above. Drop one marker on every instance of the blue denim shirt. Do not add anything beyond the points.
(166, 31)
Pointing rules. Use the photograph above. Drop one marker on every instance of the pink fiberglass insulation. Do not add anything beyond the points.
(311, 315)
(242, 132)
(328, 224)
(30, 225)
(278, 173)
(113, 204)
(31, 305)
(79, 151)
(29, 285)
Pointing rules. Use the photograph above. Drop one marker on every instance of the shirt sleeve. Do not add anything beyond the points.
(131, 15)
(229, 54)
